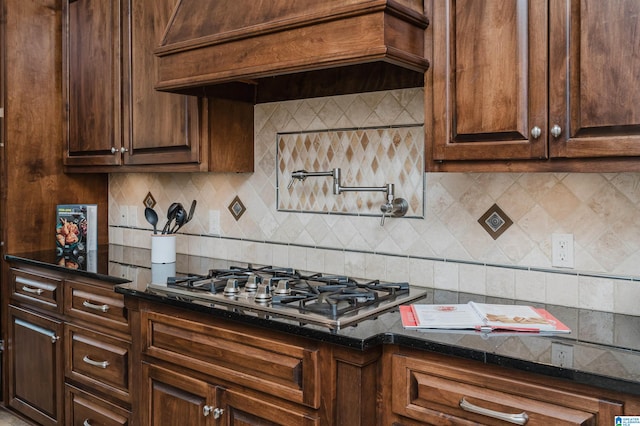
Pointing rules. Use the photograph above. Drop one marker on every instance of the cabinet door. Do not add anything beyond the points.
(164, 128)
(35, 366)
(171, 395)
(594, 70)
(92, 78)
(242, 409)
(489, 79)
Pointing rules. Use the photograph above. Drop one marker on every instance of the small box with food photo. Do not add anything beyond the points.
(76, 234)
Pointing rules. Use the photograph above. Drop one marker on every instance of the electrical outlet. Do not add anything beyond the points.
(214, 222)
(562, 250)
(561, 355)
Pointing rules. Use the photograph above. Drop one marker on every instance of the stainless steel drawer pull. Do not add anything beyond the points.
(519, 419)
(101, 364)
(102, 308)
(37, 291)
(86, 422)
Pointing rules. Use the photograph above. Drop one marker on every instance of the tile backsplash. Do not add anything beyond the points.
(367, 158)
(441, 245)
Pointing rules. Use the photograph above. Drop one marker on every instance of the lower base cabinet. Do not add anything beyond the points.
(429, 389)
(213, 372)
(68, 349)
(208, 371)
(85, 409)
(35, 366)
(172, 395)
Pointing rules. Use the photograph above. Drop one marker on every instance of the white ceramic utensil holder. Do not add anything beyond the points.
(163, 248)
(161, 271)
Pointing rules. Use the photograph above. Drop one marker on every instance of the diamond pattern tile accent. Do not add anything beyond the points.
(367, 158)
(149, 201)
(495, 221)
(237, 208)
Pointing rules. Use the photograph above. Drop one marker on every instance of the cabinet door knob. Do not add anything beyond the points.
(123, 150)
(54, 338)
(113, 150)
(536, 132)
(556, 131)
(217, 412)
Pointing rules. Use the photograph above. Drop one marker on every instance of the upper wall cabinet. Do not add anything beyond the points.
(116, 121)
(552, 81)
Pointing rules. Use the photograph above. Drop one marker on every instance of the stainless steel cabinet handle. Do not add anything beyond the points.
(37, 291)
(102, 308)
(536, 132)
(556, 131)
(101, 364)
(518, 419)
(86, 422)
(217, 412)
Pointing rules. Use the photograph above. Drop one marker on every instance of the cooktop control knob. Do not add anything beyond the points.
(263, 294)
(282, 288)
(232, 288)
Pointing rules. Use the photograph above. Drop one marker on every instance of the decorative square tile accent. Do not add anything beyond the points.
(149, 201)
(495, 221)
(372, 157)
(236, 208)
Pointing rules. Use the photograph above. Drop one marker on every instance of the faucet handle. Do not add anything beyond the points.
(396, 208)
(297, 175)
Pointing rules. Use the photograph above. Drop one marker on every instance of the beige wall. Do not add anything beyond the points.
(444, 248)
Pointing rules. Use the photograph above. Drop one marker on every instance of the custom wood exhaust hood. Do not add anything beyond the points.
(267, 50)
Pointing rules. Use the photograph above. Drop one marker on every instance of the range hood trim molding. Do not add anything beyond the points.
(391, 7)
(378, 31)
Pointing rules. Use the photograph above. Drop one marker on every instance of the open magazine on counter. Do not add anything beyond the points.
(481, 317)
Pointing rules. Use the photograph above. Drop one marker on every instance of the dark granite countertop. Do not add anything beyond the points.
(606, 346)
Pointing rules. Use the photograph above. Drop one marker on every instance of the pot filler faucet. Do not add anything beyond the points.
(394, 207)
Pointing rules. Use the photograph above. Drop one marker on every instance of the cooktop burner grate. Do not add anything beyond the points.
(333, 301)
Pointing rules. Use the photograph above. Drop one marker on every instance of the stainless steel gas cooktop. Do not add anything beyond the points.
(333, 301)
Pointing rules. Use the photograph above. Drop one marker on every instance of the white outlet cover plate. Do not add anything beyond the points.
(562, 255)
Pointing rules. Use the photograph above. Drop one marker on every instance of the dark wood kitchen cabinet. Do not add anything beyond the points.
(35, 368)
(69, 349)
(434, 389)
(211, 371)
(515, 81)
(117, 121)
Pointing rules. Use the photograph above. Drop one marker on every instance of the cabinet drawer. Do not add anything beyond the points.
(37, 289)
(97, 305)
(261, 361)
(85, 409)
(427, 390)
(99, 361)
